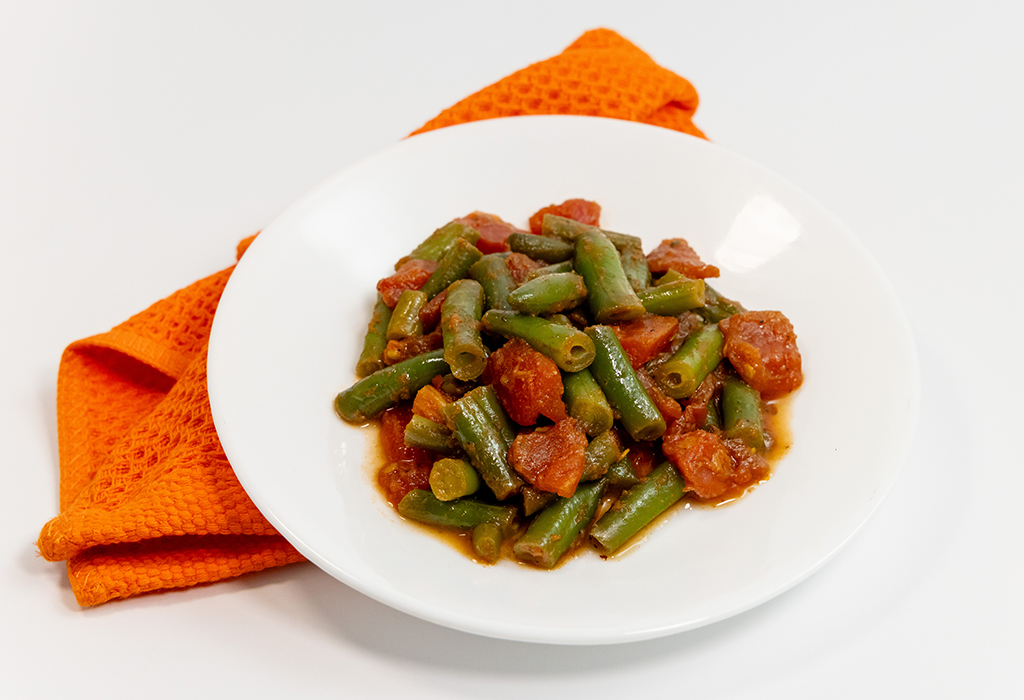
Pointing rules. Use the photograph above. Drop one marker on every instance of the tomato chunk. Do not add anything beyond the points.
(392, 437)
(520, 265)
(581, 210)
(552, 458)
(411, 275)
(528, 383)
(430, 314)
(711, 466)
(645, 337)
(398, 350)
(676, 254)
(493, 231)
(399, 478)
(761, 345)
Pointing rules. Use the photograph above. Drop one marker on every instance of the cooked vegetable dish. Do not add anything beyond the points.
(538, 390)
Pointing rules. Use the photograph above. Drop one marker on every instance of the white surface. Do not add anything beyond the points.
(283, 345)
(139, 143)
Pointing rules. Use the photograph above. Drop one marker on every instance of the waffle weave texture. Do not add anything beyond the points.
(148, 500)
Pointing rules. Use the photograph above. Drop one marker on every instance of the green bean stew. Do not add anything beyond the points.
(543, 391)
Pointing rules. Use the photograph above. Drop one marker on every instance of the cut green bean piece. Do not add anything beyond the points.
(453, 478)
(548, 294)
(535, 500)
(570, 348)
(434, 247)
(494, 276)
(637, 507)
(716, 307)
(673, 298)
(464, 350)
(484, 441)
(601, 452)
(621, 474)
(585, 402)
(554, 530)
(610, 296)
(680, 375)
(487, 541)
(422, 506)
(371, 358)
(487, 399)
(634, 265)
(405, 319)
(741, 413)
(384, 388)
(550, 270)
(613, 373)
(670, 276)
(545, 248)
(429, 435)
(453, 265)
(713, 421)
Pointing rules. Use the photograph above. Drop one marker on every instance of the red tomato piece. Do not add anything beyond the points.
(398, 350)
(551, 459)
(761, 345)
(411, 275)
(392, 438)
(581, 210)
(493, 231)
(676, 254)
(430, 314)
(645, 337)
(520, 265)
(527, 383)
(399, 478)
(701, 458)
(710, 465)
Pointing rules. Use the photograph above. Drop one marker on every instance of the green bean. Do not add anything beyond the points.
(422, 506)
(371, 358)
(601, 452)
(487, 541)
(713, 421)
(549, 270)
(680, 375)
(453, 478)
(634, 265)
(570, 230)
(585, 402)
(637, 507)
(430, 435)
(453, 265)
(741, 413)
(570, 348)
(613, 373)
(494, 276)
(670, 276)
(487, 399)
(555, 528)
(548, 294)
(611, 297)
(621, 474)
(464, 350)
(484, 441)
(716, 307)
(535, 500)
(405, 319)
(673, 298)
(434, 247)
(384, 388)
(545, 248)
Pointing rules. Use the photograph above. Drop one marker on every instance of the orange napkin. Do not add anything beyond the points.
(148, 500)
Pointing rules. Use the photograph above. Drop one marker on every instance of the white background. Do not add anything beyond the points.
(139, 143)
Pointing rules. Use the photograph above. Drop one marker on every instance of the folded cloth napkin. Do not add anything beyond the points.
(148, 500)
